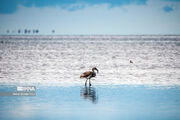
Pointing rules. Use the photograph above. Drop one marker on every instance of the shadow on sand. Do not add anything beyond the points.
(89, 93)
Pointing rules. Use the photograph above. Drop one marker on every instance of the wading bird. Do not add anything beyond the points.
(89, 75)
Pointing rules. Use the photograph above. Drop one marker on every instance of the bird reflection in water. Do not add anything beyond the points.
(89, 93)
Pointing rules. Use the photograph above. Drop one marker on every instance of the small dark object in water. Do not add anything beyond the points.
(131, 61)
(89, 75)
(2, 42)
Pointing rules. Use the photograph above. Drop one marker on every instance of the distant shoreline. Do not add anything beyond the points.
(89, 34)
(94, 37)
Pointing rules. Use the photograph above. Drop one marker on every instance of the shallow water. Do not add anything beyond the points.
(147, 89)
(59, 60)
(96, 102)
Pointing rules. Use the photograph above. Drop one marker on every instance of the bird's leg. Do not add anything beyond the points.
(89, 82)
(86, 82)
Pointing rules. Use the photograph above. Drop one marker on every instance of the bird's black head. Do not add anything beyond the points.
(94, 68)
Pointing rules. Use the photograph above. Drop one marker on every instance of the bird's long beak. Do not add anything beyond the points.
(97, 70)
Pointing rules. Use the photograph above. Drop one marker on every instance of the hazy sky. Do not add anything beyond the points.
(91, 16)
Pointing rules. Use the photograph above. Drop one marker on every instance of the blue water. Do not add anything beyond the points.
(98, 102)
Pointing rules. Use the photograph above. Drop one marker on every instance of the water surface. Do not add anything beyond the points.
(61, 59)
(96, 102)
(147, 89)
